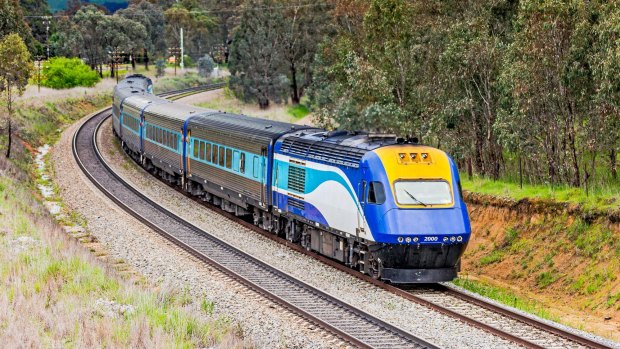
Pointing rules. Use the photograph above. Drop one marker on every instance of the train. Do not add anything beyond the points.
(388, 207)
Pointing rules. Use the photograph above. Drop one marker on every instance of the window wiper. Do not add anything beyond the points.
(414, 198)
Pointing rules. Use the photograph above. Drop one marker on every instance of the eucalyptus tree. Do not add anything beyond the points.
(549, 80)
(303, 28)
(256, 60)
(195, 21)
(12, 21)
(15, 70)
(151, 16)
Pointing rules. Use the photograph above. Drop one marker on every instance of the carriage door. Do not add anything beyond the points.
(263, 175)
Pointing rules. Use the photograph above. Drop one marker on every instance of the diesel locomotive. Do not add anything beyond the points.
(377, 203)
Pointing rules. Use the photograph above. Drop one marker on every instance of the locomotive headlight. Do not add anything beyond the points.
(459, 238)
(445, 239)
(400, 239)
(415, 239)
(452, 239)
(408, 239)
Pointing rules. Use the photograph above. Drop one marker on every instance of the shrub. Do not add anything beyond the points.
(160, 65)
(205, 66)
(62, 72)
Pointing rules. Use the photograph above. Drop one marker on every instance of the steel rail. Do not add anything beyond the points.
(358, 319)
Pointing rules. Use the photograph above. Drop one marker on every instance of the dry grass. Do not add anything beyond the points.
(51, 287)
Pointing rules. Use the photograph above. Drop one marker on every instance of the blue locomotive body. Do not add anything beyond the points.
(390, 209)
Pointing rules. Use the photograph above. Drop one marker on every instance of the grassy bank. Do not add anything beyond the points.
(547, 264)
(55, 291)
(56, 294)
(601, 198)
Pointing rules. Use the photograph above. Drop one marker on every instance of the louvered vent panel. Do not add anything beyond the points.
(323, 151)
(297, 179)
(296, 203)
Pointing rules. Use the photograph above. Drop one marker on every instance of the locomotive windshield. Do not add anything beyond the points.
(423, 192)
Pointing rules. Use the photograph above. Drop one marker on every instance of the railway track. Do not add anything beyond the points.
(502, 321)
(347, 322)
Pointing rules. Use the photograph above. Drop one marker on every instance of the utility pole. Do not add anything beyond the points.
(182, 65)
(46, 22)
(174, 51)
(115, 59)
(182, 51)
(38, 60)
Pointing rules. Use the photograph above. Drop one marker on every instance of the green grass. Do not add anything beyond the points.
(298, 111)
(507, 297)
(53, 285)
(186, 80)
(605, 198)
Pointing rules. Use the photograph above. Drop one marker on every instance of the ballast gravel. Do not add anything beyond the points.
(442, 330)
(261, 322)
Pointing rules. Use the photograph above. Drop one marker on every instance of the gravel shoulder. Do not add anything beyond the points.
(261, 321)
(442, 330)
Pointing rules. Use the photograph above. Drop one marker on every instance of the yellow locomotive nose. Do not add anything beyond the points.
(419, 176)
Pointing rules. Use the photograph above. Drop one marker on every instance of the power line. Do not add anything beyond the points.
(202, 12)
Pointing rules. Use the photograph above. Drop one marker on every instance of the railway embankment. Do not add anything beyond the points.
(556, 259)
(62, 286)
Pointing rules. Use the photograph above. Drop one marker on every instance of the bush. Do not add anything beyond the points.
(205, 66)
(160, 65)
(62, 72)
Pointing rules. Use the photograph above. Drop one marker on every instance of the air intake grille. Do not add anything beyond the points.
(323, 151)
(296, 203)
(297, 179)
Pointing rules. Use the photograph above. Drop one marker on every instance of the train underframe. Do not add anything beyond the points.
(395, 263)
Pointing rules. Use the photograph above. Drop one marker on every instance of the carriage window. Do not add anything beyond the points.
(235, 161)
(196, 148)
(255, 167)
(242, 163)
(202, 151)
(214, 154)
(228, 158)
(221, 158)
(376, 194)
(208, 152)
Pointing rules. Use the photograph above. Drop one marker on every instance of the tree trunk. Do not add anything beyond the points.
(146, 59)
(613, 164)
(263, 102)
(112, 71)
(9, 107)
(8, 148)
(294, 89)
(133, 61)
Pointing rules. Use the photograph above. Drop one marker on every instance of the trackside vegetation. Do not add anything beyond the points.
(62, 72)
(56, 294)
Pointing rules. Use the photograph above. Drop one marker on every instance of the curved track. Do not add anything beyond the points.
(499, 320)
(352, 325)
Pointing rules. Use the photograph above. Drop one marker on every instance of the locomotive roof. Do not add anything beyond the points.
(338, 147)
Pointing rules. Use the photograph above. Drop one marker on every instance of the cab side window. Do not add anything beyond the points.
(376, 193)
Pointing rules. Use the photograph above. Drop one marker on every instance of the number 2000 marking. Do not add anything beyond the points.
(431, 238)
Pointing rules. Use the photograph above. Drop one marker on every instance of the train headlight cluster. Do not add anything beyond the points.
(452, 239)
(400, 239)
(445, 239)
(408, 239)
(415, 239)
(459, 238)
